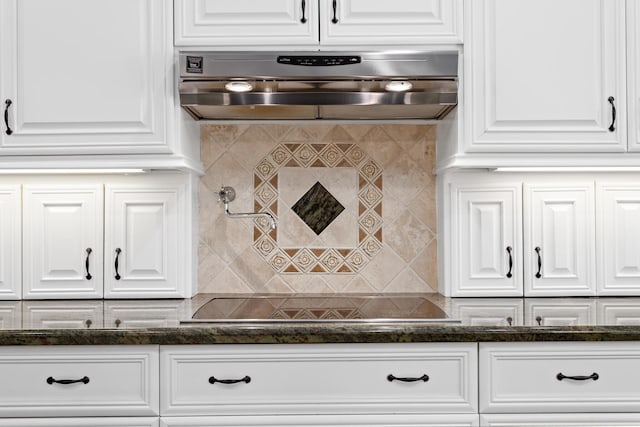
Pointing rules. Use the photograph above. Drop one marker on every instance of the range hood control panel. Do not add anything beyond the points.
(319, 61)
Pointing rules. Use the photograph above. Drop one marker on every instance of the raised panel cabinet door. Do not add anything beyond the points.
(633, 73)
(559, 312)
(62, 241)
(618, 225)
(488, 256)
(85, 76)
(265, 23)
(382, 22)
(144, 246)
(559, 240)
(545, 76)
(10, 243)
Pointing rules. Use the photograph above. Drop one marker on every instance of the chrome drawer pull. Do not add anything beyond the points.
(83, 380)
(593, 376)
(392, 377)
(246, 379)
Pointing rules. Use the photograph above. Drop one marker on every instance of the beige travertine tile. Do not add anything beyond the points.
(408, 281)
(216, 139)
(426, 264)
(404, 153)
(383, 270)
(407, 236)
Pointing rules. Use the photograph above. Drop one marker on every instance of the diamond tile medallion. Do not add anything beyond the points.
(319, 208)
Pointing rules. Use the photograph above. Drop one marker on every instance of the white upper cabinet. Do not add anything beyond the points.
(85, 76)
(559, 240)
(268, 23)
(62, 242)
(246, 22)
(545, 76)
(398, 22)
(10, 242)
(633, 71)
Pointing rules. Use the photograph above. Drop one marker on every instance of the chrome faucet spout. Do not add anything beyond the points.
(228, 194)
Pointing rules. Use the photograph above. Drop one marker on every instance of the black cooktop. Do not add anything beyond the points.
(291, 309)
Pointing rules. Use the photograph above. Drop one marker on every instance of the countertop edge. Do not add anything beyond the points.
(314, 335)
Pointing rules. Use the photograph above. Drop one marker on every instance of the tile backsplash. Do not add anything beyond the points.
(355, 208)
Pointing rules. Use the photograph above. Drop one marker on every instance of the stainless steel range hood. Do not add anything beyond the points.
(318, 85)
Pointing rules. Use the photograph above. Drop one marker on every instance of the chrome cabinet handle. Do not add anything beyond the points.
(423, 378)
(611, 100)
(335, 14)
(83, 380)
(118, 250)
(304, 7)
(539, 273)
(7, 104)
(593, 376)
(86, 263)
(246, 379)
(509, 250)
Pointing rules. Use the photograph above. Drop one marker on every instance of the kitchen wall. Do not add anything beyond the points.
(355, 206)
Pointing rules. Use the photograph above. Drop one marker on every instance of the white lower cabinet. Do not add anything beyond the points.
(559, 420)
(79, 381)
(329, 379)
(81, 422)
(390, 420)
(559, 377)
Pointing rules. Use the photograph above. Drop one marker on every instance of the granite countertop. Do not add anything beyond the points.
(160, 322)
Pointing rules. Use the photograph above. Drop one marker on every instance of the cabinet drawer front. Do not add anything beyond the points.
(559, 377)
(81, 422)
(331, 378)
(79, 381)
(357, 420)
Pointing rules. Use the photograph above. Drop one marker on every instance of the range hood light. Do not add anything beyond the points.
(398, 86)
(239, 86)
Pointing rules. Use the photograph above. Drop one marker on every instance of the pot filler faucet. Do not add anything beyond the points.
(228, 194)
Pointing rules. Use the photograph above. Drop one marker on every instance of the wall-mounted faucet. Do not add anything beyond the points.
(228, 194)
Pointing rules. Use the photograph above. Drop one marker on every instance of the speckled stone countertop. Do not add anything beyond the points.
(159, 322)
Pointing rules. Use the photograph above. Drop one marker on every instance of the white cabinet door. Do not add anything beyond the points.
(618, 232)
(62, 314)
(487, 257)
(144, 243)
(299, 23)
(10, 242)
(396, 23)
(633, 73)
(85, 76)
(559, 240)
(246, 22)
(62, 239)
(545, 75)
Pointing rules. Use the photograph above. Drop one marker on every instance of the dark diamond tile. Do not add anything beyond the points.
(318, 208)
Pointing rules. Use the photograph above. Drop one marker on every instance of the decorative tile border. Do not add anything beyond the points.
(319, 260)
